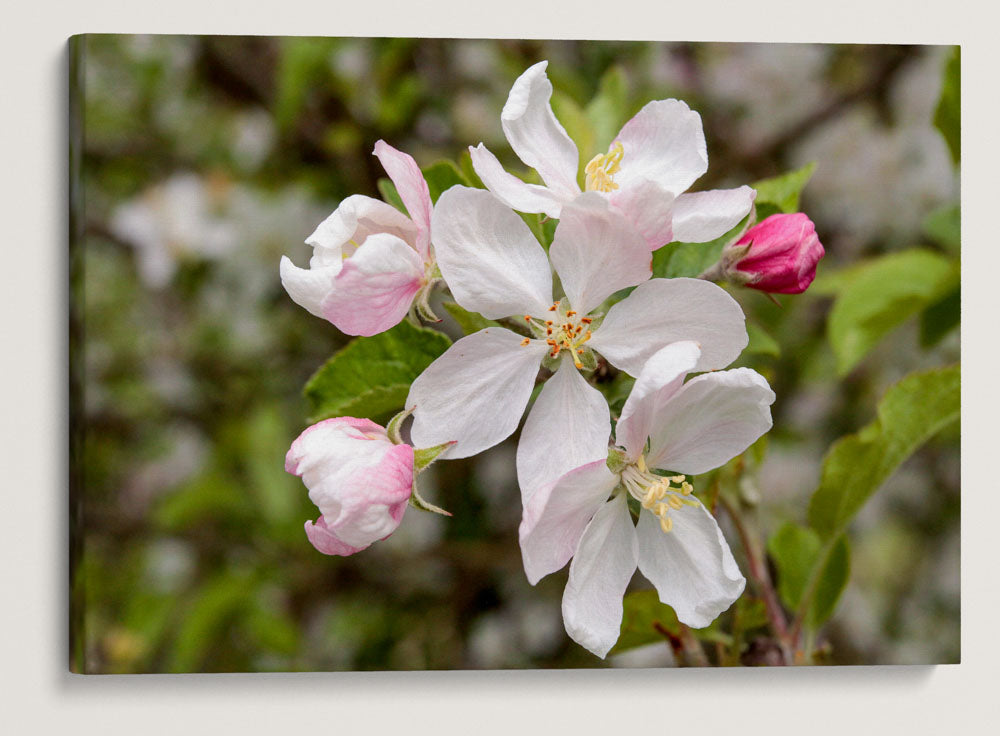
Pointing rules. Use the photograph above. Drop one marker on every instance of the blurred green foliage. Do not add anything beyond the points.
(202, 160)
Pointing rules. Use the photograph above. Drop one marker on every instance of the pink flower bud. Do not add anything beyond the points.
(358, 478)
(777, 255)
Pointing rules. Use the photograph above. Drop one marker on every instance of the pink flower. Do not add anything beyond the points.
(369, 260)
(358, 478)
(645, 174)
(778, 255)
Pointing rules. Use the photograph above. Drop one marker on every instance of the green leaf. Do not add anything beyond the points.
(761, 342)
(910, 413)
(796, 550)
(578, 126)
(370, 376)
(302, 66)
(881, 296)
(941, 318)
(608, 110)
(948, 116)
(388, 191)
(832, 581)
(219, 602)
(944, 227)
(469, 321)
(441, 176)
(468, 170)
(643, 613)
(782, 192)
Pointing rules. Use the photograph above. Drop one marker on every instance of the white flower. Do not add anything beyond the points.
(369, 261)
(656, 156)
(691, 428)
(477, 391)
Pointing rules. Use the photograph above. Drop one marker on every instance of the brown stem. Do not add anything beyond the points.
(762, 581)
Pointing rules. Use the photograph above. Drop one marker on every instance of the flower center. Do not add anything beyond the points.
(602, 169)
(563, 329)
(658, 493)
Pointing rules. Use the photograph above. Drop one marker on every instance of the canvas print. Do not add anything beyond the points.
(414, 354)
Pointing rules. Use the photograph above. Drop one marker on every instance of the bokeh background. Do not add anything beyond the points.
(201, 160)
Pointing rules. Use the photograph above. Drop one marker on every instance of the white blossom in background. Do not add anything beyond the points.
(477, 390)
(175, 219)
(666, 425)
(656, 156)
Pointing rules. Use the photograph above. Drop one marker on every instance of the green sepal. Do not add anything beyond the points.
(425, 456)
(395, 424)
(418, 502)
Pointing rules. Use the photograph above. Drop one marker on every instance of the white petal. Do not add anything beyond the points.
(598, 576)
(476, 392)
(513, 192)
(376, 287)
(351, 223)
(691, 565)
(535, 134)
(664, 143)
(488, 256)
(596, 252)
(703, 216)
(710, 420)
(308, 287)
(555, 517)
(649, 207)
(412, 189)
(662, 311)
(568, 426)
(660, 378)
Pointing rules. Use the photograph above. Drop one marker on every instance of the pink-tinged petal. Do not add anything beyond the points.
(535, 134)
(476, 392)
(703, 216)
(710, 420)
(568, 426)
(308, 287)
(332, 436)
(488, 256)
(660, 379)
(324, 540)
(781, 257)
(649, 207)
(510, 190)
(360, 481)
(555, 517)
(691, 566)
(661, 311)
(412, 189)
(357, 217)
(602, 566)
(663, 143)
(376, 287)
(596, 252)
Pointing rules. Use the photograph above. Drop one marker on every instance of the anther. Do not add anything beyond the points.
(570, 313)
(586, 320)
(551, 342)
(554, 307)
(525, 341)
(666, 524)
(527, 318)
(548, 330)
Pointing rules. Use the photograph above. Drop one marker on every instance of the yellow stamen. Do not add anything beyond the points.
(602, 169)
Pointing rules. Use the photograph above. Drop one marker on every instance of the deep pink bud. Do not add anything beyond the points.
(777, 255)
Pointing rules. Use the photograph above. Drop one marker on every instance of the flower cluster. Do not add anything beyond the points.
(612, 499)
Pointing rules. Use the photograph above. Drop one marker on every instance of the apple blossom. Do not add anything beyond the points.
(360, 480)
(370, 261)
(583, 514)
(477, 390)
(777, 255)
(656, 156)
